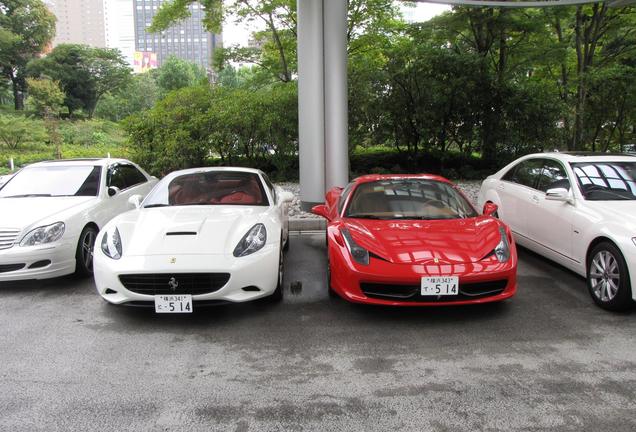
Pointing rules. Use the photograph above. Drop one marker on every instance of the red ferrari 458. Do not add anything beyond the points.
(415, 240)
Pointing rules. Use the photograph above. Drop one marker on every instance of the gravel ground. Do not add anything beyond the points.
(470, 188)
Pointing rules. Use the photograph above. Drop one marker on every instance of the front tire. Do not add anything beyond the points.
(84, 252)
(277, 295)
(608, 278)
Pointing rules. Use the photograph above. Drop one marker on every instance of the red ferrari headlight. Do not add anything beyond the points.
(358, 253)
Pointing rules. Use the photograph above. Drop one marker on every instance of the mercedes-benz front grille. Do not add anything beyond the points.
(174, 283)
(8, 236)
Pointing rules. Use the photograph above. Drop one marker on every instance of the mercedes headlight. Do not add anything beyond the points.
(43, 235)
(111, 244)
(359, 254)
(252, 241)
(502, 251)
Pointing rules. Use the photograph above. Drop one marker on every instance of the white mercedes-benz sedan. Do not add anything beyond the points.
(202, 236)
(52, 211)
(578, 209)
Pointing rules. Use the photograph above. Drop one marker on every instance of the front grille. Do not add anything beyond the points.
(411, 293)
(4, 268)
(8, 236)
(174, 283)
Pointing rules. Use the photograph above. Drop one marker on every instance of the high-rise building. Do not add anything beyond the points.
(78, 21)
(187, 39)
(119, 27)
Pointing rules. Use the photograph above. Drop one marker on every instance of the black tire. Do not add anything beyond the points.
(608, 278)
(286, 247)
(84, 252)
(277, 295)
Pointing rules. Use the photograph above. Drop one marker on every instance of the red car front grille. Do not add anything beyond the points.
(411, 293)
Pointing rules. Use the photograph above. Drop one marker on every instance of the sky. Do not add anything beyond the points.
(239, 33)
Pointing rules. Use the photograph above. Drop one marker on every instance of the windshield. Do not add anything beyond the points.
(208, 188)
(408, 199)
(53, 181)
(606, 181)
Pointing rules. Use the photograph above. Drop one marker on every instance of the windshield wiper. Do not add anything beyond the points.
(155, 205)
(365, 216)
(28, 196)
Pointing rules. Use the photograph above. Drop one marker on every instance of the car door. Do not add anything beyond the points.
(126, 181)
(550, 222)
(515, 190)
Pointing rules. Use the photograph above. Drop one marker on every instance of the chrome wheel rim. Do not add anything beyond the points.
(87, 249)
(605, 276)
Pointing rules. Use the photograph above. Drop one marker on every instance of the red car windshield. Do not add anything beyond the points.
(408, 199)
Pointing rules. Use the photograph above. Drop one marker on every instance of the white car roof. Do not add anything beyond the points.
(208, 169)
(586, 156)
(79, 162)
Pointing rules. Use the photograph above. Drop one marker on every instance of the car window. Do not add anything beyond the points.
(343, 197)
(410, 198)
(208, 188)
(526, 173)
(270, 186)
(54, 180)
(124, 176)
(606, 181)
(553, 176)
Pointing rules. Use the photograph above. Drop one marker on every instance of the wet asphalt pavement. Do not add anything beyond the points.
(546, 360)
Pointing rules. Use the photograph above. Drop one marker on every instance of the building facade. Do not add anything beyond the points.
(78, 21)
(187, 40)
(119, 27)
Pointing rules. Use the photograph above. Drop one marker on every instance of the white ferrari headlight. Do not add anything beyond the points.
(43, 235)
(111, 244)
(502, 251)
(251, 242)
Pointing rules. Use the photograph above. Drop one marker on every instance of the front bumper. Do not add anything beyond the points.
(38, 262)
(352, 281)
(256, 271)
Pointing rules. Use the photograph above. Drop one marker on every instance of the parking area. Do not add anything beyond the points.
(547, 359)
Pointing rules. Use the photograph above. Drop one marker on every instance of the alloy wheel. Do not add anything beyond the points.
(605, 276)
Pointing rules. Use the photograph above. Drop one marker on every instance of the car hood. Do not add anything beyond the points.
(21, 213)
(620, 212)
(190, 230)
(407, 242)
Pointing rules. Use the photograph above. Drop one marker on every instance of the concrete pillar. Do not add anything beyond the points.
(336, 98)
(311, 121)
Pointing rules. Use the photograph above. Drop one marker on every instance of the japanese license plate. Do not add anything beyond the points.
(440, 285)
(181, 303)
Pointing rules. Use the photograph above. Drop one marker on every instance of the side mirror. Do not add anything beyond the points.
(135, 200)
(112, 191)
(321, 210)
(286, 197)
(557, 194)
(490, 209)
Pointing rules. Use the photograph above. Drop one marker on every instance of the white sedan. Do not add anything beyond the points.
(578, 210)
(203, 235)
(51, 213)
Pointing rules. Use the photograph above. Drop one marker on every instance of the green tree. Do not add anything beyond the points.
(140, 94)
(16, 130)
(26, 28)
(85, 73)
(176, 73)
(45, 96)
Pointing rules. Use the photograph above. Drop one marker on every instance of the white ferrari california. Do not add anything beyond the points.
(50, 213)
(578, 209)
(202, 236)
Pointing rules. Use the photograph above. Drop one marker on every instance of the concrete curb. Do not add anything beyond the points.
(300, 225)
